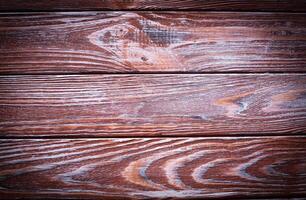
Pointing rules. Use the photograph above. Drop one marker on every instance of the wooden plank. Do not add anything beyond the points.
(78, 42)
(153, 168)
(237, 5)
(152, 105)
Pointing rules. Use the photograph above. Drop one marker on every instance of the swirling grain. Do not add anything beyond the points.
(156, 168)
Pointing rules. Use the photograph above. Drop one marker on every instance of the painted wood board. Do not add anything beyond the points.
(143, 168)
(157, 42)
(152, 105)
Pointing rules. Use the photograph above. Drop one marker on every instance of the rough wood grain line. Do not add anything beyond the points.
(237, 5)
(152, 105)
(151, 42)
(154, 168)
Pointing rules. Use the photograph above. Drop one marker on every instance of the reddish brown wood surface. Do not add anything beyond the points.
(237, 5)
(196, 105)
(78, 42)
(153, 168)
(152, 105)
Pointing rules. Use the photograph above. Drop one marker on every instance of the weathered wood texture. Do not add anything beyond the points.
(152, 105)
(237, 5)
(153, 168)
(151, 42)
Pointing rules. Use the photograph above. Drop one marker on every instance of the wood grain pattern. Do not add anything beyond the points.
(153, 168)
(152, 105)
(237, 5)
(91, 42)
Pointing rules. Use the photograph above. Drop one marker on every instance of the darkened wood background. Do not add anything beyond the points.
(182, 99)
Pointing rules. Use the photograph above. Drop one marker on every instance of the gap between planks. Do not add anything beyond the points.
(159, 73)
(41, 11)
(225, 136)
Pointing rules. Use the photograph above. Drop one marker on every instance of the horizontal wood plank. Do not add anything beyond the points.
(239, 5)
(152, 105)
(109, 42)
(153, 168)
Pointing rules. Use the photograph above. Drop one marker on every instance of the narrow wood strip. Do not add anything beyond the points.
(92, 42)
(152, 105)
(153, 168)
(239, 5)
